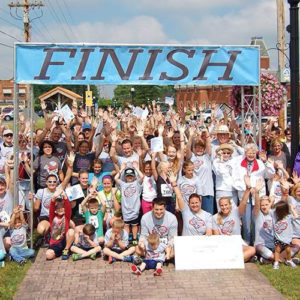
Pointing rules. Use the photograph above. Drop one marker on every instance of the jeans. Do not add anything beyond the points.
(19, 254)
(248, 221)
(208, 204)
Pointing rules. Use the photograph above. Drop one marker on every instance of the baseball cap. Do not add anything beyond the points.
(129, 172)
(7, 131)
(2, 180)
(86, 127)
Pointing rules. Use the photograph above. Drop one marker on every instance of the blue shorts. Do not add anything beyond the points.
(82, 247)
(151, 263)
(59, 248)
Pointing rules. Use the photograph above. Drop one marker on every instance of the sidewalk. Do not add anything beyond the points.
(87, 279)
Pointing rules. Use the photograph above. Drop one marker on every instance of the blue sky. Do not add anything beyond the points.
(213, 22)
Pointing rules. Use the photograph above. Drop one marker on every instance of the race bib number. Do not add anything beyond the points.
(166, 191)
(80, 210)
(93, 220)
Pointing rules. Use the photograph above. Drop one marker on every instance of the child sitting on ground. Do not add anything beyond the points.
(283, 232)
(19, 250)
(116, 243)
(93, 215)
(154, 252)
(61, 236)
(86, 243)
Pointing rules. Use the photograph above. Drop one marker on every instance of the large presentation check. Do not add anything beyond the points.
(208, 252)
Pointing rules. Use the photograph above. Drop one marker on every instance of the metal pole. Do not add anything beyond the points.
(294, 65)
(243, 116)
(31, 99)
(16, 140)
(259, 118)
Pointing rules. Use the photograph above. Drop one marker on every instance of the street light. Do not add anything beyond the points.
(132, 90)
(293, 29)
(115, 103)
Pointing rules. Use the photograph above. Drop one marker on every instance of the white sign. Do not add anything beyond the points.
(169, 100)
(67, 114)
(138, 112)
(4, 217)
(286, 75)
(145, 114)
(157, 144)
(74, 192)
(208, 252)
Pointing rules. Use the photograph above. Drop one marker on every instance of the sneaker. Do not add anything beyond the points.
(262, 260)
(8, 258)
(296, 260)
(137, 260)
(65, 254)
(22, 262)
(136, 270)
(2, 264)
(76, 256)
(111, 260)
(130, 237)
(276, 265)
(253, 259)
(128, 258)
(93, 256)
(157, 272)
(134, 242)
(290, 263)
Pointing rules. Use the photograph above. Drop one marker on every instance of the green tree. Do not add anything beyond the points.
(139, 94)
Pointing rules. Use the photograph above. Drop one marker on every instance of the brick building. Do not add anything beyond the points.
(189, 96)
(7, 92)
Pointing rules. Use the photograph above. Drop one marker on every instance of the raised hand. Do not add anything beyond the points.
(182, 129)
(295, 177)
(114, 136)
(263, 156)
(71, 158)
(259, 184)
(172, 177)
(247, 181)
(170, 133)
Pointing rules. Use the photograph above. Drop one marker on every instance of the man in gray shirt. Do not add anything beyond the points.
(161, 222)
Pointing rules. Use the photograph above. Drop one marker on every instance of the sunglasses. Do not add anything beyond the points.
(52, 181)
(8, 135)
(106, 145)
(227, 153)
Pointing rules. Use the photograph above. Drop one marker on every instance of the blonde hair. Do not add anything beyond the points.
(118, 224)
(153, 238)
(294, 188)
(220, 214)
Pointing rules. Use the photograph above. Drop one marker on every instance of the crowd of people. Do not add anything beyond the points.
(123, 184)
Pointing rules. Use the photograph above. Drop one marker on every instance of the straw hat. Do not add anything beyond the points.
(222, 129)
(225, 146)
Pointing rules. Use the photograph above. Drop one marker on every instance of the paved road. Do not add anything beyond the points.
(87, 279)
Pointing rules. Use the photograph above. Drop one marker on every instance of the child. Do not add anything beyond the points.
(86, 243)
(154, 252)
(98, 174)
(130, 201)
(283, 232)
(149, 187)
(61, 236)
(93, 215)
(19, 250)
(116, 243)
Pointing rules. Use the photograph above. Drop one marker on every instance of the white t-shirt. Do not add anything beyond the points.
(165, 227)
(203, 171)
(189, 186)
(264, 229)
(195, 224)
(149, 189)
(230, 224)
(295, 222)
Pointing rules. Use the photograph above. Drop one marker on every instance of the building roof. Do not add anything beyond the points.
(59, 90)
(263, 49)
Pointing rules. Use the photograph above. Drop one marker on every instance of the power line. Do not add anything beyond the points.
(64, 17)
(11, 23)
(6, 45)
(45, 27)
(55, 16)
(10, 36)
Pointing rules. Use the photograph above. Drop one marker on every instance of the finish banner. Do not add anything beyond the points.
(136, 64)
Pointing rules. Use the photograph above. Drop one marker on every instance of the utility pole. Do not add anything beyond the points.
(293, 29)
(26, 21)
(281, 55)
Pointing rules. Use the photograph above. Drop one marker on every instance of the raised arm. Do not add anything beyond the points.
(258, 187)
(245, 197)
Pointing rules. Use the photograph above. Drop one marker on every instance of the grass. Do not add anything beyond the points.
(40, 123)
(286, 280)
(10, 278)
